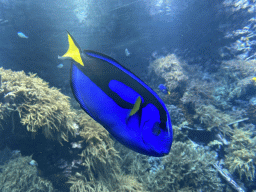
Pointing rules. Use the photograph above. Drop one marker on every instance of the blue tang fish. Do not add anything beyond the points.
(164, 89)
(22, 35)
(121, 102)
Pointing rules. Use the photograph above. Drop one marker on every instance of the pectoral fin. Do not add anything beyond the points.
(136, 106)
(136, 109)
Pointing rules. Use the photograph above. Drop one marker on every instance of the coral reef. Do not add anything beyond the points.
(19, 175)
(198, 92)
(251, 111)
(230, 83)
(36, 119)
(124, 183)
(6, 154)
(86, 157)
(169, 70)
(227, 176)
(241, 152)
(210, 117)
(100, 160)
(215, 104)
(99, 152)
(187, 168)
(81, 184)
(176, 114)
(31, 108)
(237, 76)
(241, 35)
(41, 109)
(236, 70)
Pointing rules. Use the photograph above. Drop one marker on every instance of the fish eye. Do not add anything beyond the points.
(156, 130)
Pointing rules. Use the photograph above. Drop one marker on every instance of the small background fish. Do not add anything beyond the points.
(60, 66)
(163, 89)
(22, 35)
(127, 53)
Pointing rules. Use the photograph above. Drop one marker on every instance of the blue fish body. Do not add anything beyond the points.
(163, 88)
(121, 102)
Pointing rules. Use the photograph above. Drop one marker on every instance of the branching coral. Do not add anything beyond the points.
(211, 117)
(100, 160)
(124, 183)
(241, 153)
(19, 175)
(129, 183)
(5, 111)
(236, 75)
(99, 156)
(81, 184)
(170, 70)
(198, 92)
(187, 168)
(40, 108)
(45, 110)
(238, 69)
(251, 112)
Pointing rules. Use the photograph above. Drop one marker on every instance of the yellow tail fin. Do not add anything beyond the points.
(73, 51)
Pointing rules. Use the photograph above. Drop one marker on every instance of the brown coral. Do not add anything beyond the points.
(237, 74)
(211, 117)
(100, 160)
(251, 112)
(99, 157)
(39, 106)
(99, 153)
(19, 175)
(123, 183)
(170, 69)
(187, 168)
(238, 69)
(241, 153)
